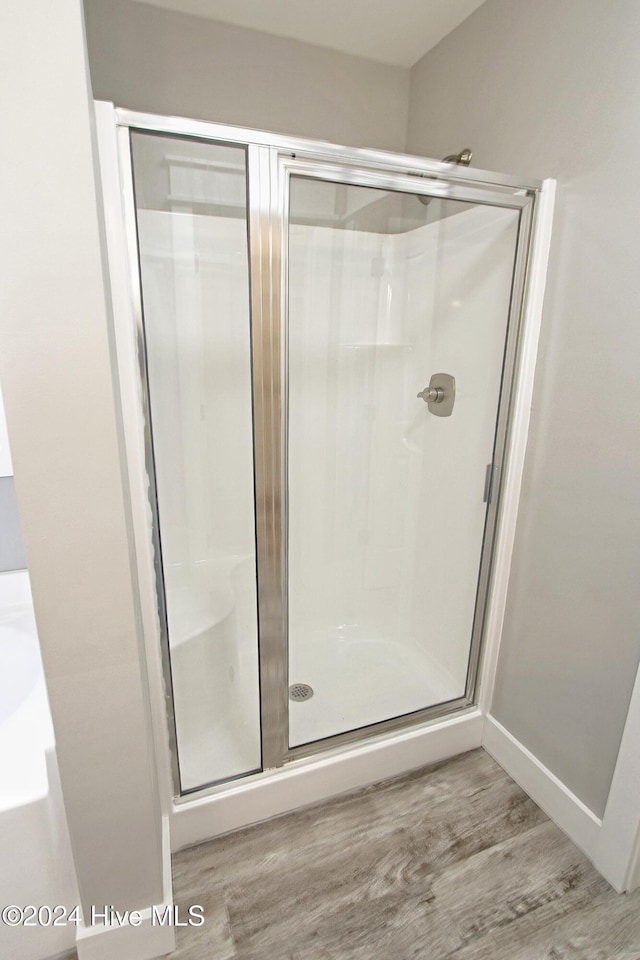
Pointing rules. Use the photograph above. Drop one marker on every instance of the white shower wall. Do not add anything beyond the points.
(470, 278)
(198, 352)
(195, 282)
(385, 499)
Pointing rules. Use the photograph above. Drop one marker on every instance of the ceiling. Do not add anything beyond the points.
(391, 31)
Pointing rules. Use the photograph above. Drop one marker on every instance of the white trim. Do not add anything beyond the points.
(129, 941)
(557, 801)
(618, 852)
(133, 431)
(517, 442)
(308, 781)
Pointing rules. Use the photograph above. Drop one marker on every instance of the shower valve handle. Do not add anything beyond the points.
(440, 395)
(432, 395)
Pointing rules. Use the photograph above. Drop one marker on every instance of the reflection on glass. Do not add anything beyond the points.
(191, 217)
(386, 511)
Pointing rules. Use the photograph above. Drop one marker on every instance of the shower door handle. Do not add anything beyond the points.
(440, 395)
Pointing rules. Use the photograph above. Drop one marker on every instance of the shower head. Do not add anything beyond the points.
(463, 158)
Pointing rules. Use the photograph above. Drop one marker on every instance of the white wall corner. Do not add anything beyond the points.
(517, 441)
(617, 855)
(558, 802)
(57, 385)
(634, 871)
(154, 936)
(131, 423)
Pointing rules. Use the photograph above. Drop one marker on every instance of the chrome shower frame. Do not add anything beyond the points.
(271, 160)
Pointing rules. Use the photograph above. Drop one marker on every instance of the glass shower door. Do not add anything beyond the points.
(327, 350)
(389, 466)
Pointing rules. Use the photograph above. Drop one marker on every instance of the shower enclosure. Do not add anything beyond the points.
(327, 341)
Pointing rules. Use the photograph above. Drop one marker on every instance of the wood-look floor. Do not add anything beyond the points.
(453, 861)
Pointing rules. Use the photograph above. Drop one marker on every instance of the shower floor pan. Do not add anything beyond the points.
(358, 681)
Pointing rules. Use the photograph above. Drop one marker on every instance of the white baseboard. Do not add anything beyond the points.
(126, 941)
(311, 780)
(563, 807)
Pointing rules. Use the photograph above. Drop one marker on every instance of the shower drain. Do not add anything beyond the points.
(300, 691)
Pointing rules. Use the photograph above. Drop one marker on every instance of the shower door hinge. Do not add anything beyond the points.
(488, 484)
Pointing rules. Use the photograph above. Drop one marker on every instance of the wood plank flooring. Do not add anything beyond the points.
(453, 862)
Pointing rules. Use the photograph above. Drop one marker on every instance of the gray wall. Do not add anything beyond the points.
(164, 62)
(11, 546)
(60, 407)
(553, 89)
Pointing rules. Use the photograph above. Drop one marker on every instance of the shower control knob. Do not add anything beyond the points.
(440, 395)
(432, 394)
